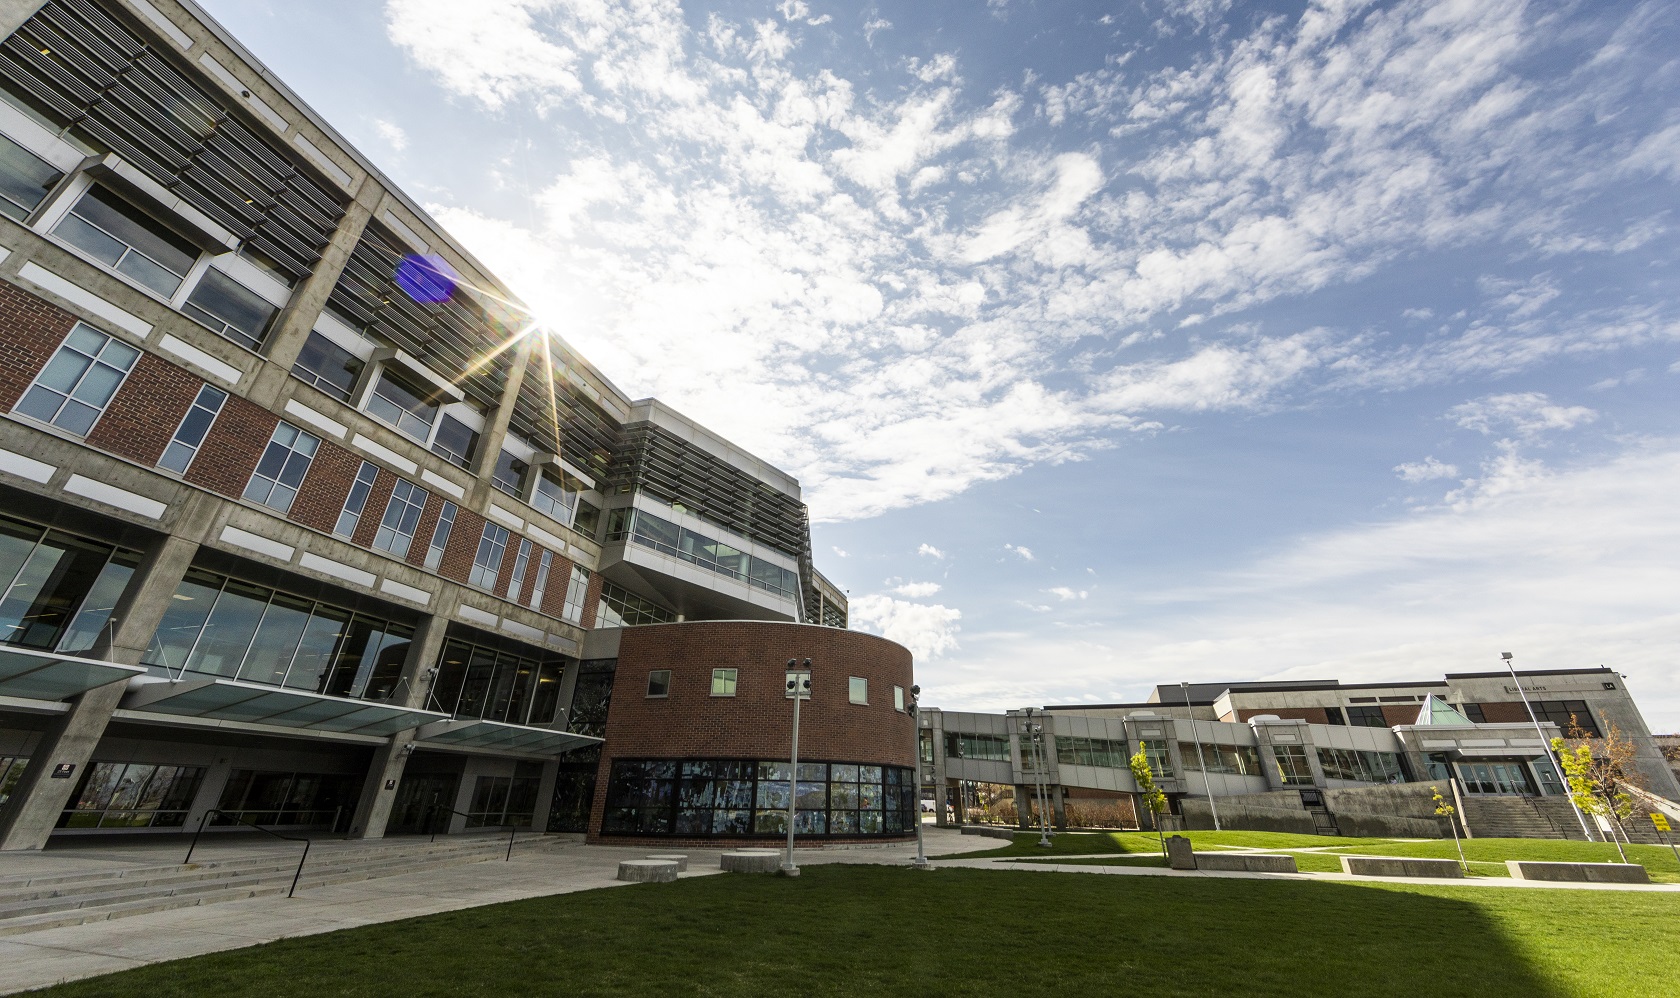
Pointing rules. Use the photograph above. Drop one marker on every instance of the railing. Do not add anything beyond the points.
(431, 819)
(266, 831)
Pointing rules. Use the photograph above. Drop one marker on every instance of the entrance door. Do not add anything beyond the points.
(423, 804)
(1501, 776)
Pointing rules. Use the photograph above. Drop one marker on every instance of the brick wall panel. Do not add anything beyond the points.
(592, 600)
(30, 330)
(321, 499)
(423, 529)
(463, 545)
(374, 511)
(233, 447)
(147, 409)
(757, 722)
(1400, 714)
(559, 580)
(1512, 712)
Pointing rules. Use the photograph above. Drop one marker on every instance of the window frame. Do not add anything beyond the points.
(664, 692)
(74, 197)
(192, 449)
(729, 679)
(237, 335)
(275, 483)
(68, 395)
(402, 380)
(857, 690)
(317, 380)
(488, 558)
(401, 503)
(355, 502)
(441, 531)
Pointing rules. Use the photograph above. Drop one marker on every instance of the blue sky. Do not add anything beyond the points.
(1114, 344)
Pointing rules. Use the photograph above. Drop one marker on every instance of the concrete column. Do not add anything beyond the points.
(295, 322)
(545, 796)
(379, 789)
(38, 799)
(1023, 806)
(958, 803)
(1057, 809)
(14, 12)
(496, 426)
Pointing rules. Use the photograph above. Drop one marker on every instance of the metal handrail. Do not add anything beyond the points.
(266, 831)
(431, 817)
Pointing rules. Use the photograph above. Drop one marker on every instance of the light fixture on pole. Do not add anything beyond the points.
(798, 688)
(921, 862)
(1207, 781)
(1551, 756)
(1041, 791)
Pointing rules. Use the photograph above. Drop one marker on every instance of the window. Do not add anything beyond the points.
(127, 240)
(280, 473)
(230, 309)
(723, 682)
(285, 798)
(1292, 764)
(45, 575)
(552, 497)
(327, 366)
(455, 442)
(356, 500)
(539, 588)
(485, 682)
(1473, 712)
(618, 608)
(440, 536)
(742, 797)
(989, 748)
(587, 518)
(72, 391)
(857, 688)
(521, 564)
(402, 515)
(195, 426)
(667, 537)
(577, 592)
(1236, 760)
(1367, 717)
(132, 795)
(1567, 715)
(509, 475)
(25, 180)
(397, 402)
(1333, 715)
(898, 698)
(659, 683)
(503, 801)
(1160, 761)
(487, 563)
(1074, 750)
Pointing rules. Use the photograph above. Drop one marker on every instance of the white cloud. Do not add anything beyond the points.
(928, 631)
(1526, 414)
(1025, 552)
(839, 552)
(1426, 470)
(929, 551)
(917, 590)
(873, 26)
(1064, 593)
(393, 134)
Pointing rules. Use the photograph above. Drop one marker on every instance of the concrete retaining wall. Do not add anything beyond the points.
(1592, 873)
(1245, 862)
(1401, 866)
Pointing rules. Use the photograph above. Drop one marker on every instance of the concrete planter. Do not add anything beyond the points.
(1402, 866)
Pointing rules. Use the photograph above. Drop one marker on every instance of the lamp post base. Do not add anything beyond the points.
(787, 870)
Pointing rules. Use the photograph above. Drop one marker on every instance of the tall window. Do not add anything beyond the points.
(1292, 765)
(356, 500)
(552, 497)
(440, 536)
(124, 238)
(577, 592)
(25, 180)
(195, 426)
(1160, 759)
(57, 590)
(659, 683)
(230, 309)
(280, 473)
(540, 587)
(455, 442)
(78, 383)
(521, 564)
(396, 401)
(487, 563)
(328, 367)
(509, 475)
(402, 514)
(1567, 715)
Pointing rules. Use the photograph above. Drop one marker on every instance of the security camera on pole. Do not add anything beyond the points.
(921, 862)
(798, 688)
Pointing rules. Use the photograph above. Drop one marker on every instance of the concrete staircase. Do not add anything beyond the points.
(1501, 817)
(51, 900)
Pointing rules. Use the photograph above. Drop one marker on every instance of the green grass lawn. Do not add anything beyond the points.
(1090, 843)
(1488, 856)
(872, 930)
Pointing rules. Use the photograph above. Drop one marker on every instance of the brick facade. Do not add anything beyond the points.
(463, 545)
(147, 409)
(757, 722)
(321, 498)
(232, 448)
(559, 580)
(374, 511)
(30, 330)
(1512, 712)
(591, 600)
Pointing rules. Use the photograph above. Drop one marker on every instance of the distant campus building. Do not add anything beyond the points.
(1302, 756)
(298, 528)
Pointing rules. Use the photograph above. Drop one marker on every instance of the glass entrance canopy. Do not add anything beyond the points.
(40, 675)
(495, 735)
(232, 700)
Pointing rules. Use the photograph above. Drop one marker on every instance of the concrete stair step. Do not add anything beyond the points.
(142, 906)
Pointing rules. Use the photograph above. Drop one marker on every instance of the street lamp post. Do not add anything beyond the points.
(798, 688)
(1041, 792)
(921, 862)
(1207, 781)
(1551, 756)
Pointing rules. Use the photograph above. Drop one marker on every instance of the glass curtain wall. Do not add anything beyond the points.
(1077, 751)
(219, 626)
(285, 798)
(58, 589)
(1233, 760)
(1353, 764)
(989, 748)
(666, 537)
(479, 681)
(739, 797)
(132, 795)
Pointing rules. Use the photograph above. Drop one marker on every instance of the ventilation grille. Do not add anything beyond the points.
(86, 73)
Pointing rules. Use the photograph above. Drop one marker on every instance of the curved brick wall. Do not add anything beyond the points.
(757, 722)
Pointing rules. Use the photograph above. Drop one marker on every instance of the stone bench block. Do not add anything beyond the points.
(1592, 873)
(648, 871)
(1245, 862)
(679, 858)
(1402, 866)
(751, 861)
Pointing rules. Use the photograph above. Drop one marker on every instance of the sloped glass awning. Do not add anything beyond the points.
(499, 736)
(252, 703)
(40, 675)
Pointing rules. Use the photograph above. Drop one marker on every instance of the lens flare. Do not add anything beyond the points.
(427, 279)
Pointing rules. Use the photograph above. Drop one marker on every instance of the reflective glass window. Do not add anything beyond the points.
(440, 536)
(280, 472)
(227, 634)
(723, 682)
(402, 515)
(80, 380)
(121, 236)
(50, 583)
(539, 586)
(356, 501)
(195, 426)
(395, 400)
(230, 309)
(487, 562)
(25, 180)
(95, 613)
(455, 442)
(328, 367)
(577, 592)
(509, 474)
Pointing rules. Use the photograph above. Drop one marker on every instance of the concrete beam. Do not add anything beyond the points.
(14, 12)
(384, 776)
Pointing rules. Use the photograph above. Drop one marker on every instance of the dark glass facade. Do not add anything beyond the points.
(740, 797)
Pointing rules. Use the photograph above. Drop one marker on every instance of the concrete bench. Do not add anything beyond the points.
(1402, 866)
(648, 871)
(1246, 862)
(1592, 873)
(751, 861)
(679, 858)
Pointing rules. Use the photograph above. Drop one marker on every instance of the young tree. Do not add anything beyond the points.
(1447, 811)
(1590, 786)
(1152, 796)
(1609, 765)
